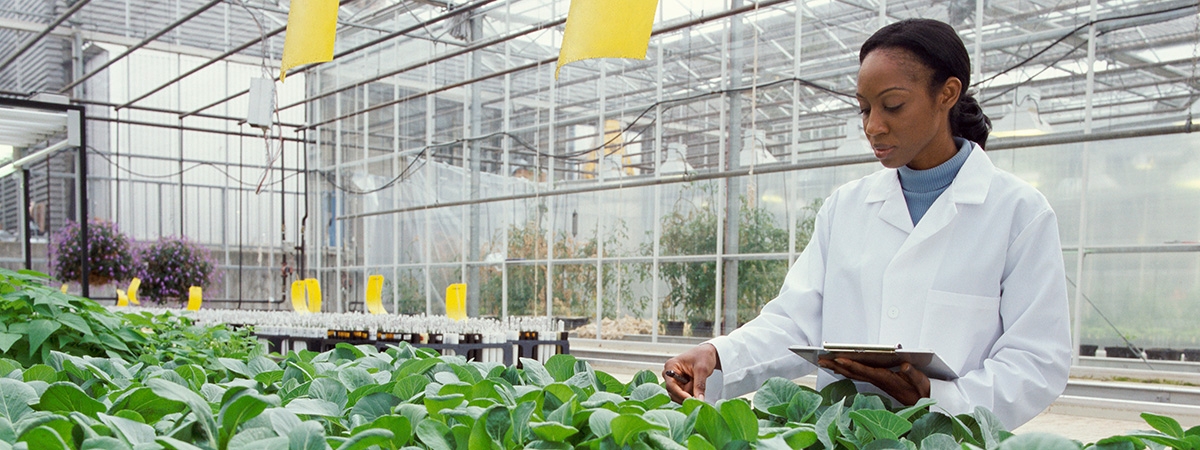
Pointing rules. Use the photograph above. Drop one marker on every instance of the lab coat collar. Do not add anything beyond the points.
(970, 186)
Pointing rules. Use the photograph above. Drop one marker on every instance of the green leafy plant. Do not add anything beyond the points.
(691, 229)
(36, 320)
(173, 340)
(110, 254)
(356, 397)
(171, 265)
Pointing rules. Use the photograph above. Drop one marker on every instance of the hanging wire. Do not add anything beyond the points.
(1128, 344)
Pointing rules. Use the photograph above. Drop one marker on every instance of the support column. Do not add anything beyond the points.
(733, 191)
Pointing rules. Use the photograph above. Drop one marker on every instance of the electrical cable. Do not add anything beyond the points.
(96, 152)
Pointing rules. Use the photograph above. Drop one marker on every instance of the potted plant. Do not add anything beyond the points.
(110, 255)
(172, 265)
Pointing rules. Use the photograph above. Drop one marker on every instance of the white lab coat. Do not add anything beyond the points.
(979, 280)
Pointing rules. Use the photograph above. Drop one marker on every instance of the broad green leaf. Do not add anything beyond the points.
(776, 392)
(175, 444)
(235, 366)
(837, 392)
(74, 321)
(479, 439)
(436, 403)
(697, 442)
(922, 405)
(867, 401)
(40, 372)
(6, 342)
(269, 377)
(537, 374)
(665, 443)
(330, 390)
(651, 395)
(802, 406)
(743, 424)
(520, 416)
(600, 422)
(561, 366)
(308, 435)
(414, 413)
(198, 406)
(1118, 443)
(800, 437)
(990, 427)
(929, 425)
(497, 421)
(257, 439)
(675, 421)
(415, 367)
(66, 397)
(314, 407)
(375, 405)
(885, 444)
(1159, 438)
(939, 441)
(7, 433)
(1166, 425)
(241, 408)
(355, 377)
(146, 403)
(553, 431)
(626, 428)
(827, 429)
(609, 383)
(882, 424)
(261, 364)
(1039, 441)
(400, 427)
(408, 387)
(365, 439)
(44, 438)
(434, 434)
(712, 426)
(39, 330)
(112, 443)
(14, 399)
(599, 399)
(282, 420)
(195, 376)
(132, 432)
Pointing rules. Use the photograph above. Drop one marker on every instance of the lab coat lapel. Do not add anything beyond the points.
(894, 211)
(970, 186)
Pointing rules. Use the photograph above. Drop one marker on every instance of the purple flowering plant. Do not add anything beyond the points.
(110, 254)
(173, 264)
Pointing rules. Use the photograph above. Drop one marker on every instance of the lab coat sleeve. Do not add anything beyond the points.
(758, 350)
(1028, 365)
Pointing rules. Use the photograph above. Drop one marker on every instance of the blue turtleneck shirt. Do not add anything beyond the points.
(922, 187)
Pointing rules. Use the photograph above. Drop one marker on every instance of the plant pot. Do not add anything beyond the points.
(702, 328)
(1191, 354)
(98, 280)
(1120, 352)
(1163, 354)
(1087, 350)
(674, 328)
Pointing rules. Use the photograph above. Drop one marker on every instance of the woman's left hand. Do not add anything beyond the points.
(907, 384)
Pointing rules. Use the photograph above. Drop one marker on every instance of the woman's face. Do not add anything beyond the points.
(906, 123)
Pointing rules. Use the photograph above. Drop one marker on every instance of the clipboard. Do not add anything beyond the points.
(882, 356)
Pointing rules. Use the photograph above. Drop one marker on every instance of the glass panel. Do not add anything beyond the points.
(404, 292)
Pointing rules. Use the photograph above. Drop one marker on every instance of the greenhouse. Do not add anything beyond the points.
(442, 181)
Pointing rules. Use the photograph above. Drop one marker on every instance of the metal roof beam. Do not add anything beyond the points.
(33, 40)
(141, 44)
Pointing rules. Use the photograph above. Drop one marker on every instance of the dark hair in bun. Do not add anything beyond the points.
(937, 46)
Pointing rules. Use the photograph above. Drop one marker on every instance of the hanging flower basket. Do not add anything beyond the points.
(110, 254)
(173, 264)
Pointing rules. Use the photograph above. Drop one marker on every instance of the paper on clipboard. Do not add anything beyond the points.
(879, 356)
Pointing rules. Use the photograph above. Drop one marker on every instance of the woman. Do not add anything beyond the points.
(940, 250)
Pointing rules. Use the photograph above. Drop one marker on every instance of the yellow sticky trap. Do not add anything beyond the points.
(606, 29)
(299, 298)
(456, 305)
(311, 29)
(314, 295)
(63, 288)
(122, 300)
(195, 297)
(375, 294)
(133, 288)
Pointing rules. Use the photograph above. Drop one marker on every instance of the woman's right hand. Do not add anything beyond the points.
(690, 371)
